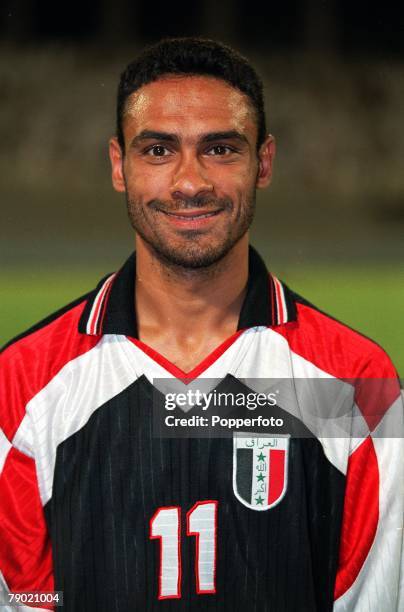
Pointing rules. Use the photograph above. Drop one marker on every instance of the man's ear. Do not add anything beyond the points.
(266, 156)
(116, 157)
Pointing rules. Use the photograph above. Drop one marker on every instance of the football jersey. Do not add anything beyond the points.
(97, 505)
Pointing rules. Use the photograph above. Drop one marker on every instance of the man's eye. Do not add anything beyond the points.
(157, 151)
(220, 150)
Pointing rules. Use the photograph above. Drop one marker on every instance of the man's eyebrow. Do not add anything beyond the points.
(228, 135)
(153, 135)
(173, 138)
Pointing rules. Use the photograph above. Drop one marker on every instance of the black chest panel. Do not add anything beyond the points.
(112, 476)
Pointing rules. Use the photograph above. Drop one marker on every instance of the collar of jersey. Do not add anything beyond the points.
(109, 308)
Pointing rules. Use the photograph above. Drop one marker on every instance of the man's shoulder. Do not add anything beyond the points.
(49, 344)
(62, 322)
(333, 346)
(30, 361)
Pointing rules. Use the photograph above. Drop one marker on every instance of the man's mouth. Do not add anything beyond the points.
(188, 215)
(192, 219)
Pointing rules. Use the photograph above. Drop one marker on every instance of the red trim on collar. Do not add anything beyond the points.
(187, 377)
(271, 289)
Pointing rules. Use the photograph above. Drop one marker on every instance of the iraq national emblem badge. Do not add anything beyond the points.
(260, 469)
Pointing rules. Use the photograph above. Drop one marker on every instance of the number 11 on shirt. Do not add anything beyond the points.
(165, 525)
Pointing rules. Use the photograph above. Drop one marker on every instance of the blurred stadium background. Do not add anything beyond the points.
(332, 223)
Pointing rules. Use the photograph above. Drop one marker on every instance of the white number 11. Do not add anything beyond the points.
(165, 525)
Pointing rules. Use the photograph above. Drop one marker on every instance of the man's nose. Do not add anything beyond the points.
(190, 178)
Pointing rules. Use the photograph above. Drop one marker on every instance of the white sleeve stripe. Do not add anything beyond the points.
(376, 588)
(5, 446)
(67, 402)
(22, 440)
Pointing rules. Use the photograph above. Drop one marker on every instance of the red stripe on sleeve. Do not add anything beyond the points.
(25, 551)
(347, 355)
(361, 515)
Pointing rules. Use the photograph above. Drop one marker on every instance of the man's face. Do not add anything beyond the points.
(190, 167)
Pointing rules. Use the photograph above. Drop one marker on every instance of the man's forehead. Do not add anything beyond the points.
(190, 98)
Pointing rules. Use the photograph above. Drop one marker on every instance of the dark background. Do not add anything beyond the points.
(332, 223)
(341, 26)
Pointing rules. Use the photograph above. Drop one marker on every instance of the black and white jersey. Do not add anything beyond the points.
(94, 504)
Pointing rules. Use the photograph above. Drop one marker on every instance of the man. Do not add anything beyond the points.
(93, 502)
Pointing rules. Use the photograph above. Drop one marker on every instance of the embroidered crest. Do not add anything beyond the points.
(260, 469)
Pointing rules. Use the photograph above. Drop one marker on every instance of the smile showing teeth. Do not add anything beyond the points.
(192, 217)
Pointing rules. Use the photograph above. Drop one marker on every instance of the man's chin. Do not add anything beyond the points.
(192, 258)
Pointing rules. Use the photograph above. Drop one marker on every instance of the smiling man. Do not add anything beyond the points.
(94, 503)
(189, 156)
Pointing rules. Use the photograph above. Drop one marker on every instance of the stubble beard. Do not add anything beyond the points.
(190, 254)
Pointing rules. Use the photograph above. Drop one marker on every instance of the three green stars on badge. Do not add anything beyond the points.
(260, 477)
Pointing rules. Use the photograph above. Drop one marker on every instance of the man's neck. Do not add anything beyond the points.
(185, 314)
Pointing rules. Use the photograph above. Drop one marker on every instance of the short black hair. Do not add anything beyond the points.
(192, 56)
